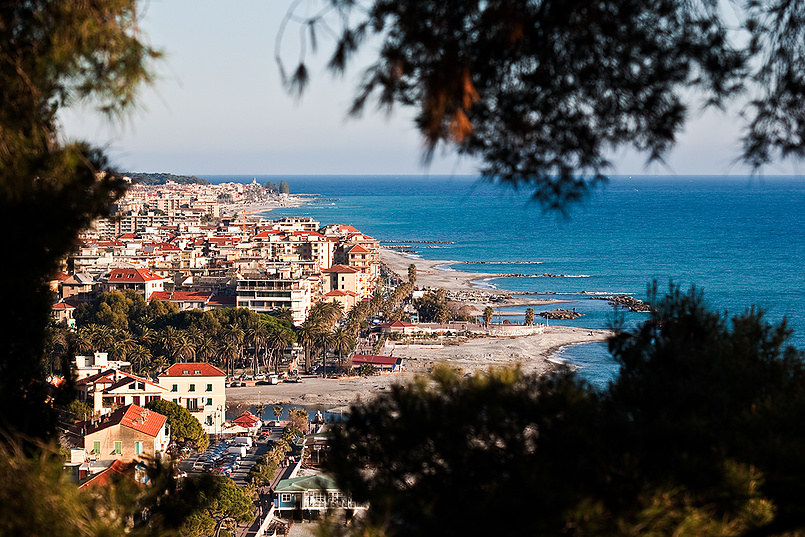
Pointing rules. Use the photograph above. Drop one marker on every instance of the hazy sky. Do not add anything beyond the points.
(218, 107)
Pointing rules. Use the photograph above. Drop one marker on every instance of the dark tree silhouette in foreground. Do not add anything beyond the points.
(543, 90)
(52, 55)
(699, 435)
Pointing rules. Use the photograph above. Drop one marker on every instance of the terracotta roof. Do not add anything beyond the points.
(98, 378)
(267, 232)
(189, 369)
(132, 275)
(105, 477)
(340, 269)
(358, 249)
(132, 416)
(127, 379)
(338, 292)
(143, 420)
(181, 296)
(222, 300)
(369, 359)
(63, 306)
(246, 418)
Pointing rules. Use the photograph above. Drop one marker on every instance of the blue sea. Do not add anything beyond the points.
(738, 239)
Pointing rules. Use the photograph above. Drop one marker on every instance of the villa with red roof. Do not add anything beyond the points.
(129, 433)
(198, 387)
(141, 280)
(111, 389)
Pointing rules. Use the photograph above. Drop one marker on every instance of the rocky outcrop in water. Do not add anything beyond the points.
(625, 301)
(560, 313)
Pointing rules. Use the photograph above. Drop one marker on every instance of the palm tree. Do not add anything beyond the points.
(343, 342)
(529, 316)
(101, 336)
(82, 340)
(284, 313)
(168, 340)
(324, 341)
(306, 336)
(228, 351)
(205, 348)
(488, 312)
(185, 348)
(139, 357)
(234, 334)
(257, 335)
(278, 339)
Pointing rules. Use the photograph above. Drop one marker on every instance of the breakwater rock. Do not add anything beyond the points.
(560, 313)
(625, 301)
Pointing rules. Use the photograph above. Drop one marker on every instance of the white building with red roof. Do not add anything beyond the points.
(141, 280)
(111, 389)
(200, 388)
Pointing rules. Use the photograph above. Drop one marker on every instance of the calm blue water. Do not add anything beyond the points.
(739, 239)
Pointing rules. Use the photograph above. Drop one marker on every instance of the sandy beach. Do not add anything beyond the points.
(531, 353)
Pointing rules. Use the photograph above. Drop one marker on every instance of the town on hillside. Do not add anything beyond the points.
(200, 248)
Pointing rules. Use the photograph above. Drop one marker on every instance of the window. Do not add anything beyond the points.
(176, 401)
(209, 401)
(209, 387)
(185, 372)
(174, 387)
(141, 385)
(138, 448)
(192, 404)
(96, 447)
(209, 419)
(192, 388)
(286, 498)
(197, 372)
(118, 448)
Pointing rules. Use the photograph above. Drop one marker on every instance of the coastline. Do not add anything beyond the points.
(532, 353)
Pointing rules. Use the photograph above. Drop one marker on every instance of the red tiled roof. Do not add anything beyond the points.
(181, 296)
(188, 369)
(340, 269)
(132, 275)
(358, 249)
(338, 292)
(104, 377)
(369, 359)
(63, 306)
(127, 379)
(143, 420)
(267, 232)
(104, 477)
(246, 419)
(132, 416)
(222, 300)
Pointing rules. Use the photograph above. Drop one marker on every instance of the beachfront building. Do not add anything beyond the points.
(389, 364)
(311, 494)
(200, 388)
